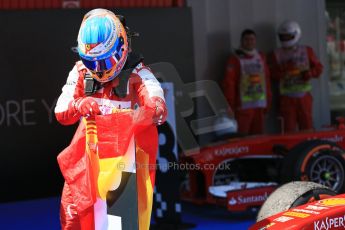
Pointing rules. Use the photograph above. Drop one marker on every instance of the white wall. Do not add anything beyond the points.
(218, 25)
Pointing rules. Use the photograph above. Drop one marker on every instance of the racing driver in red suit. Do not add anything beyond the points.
(294, 65)
(96, 84)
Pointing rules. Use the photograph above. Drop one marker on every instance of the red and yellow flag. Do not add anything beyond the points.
(90, 163)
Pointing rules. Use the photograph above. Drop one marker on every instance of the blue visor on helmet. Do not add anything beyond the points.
(100, 65)
(106, 63)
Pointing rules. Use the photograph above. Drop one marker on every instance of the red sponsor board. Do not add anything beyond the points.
(241, 200)
(326, 214)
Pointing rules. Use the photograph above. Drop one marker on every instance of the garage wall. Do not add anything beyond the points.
(218, 24)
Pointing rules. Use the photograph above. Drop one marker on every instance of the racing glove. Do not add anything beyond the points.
(86, 106)
(160, 111)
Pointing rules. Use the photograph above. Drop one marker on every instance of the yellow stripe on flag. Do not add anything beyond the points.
(109, 176)
(91, 148)
(145, 191)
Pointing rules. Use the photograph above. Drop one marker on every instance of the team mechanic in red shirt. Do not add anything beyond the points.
(97, 85)
(246, 85)
(294, 65)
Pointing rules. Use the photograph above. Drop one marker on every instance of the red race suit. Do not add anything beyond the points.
(294, 68)
(78, 201)
(246, 86)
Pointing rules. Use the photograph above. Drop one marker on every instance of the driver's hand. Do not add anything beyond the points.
(87, 106)
(160, 110)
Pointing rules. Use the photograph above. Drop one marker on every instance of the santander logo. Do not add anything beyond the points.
(248, 199)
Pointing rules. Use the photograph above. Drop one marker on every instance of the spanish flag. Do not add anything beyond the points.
(90, 164)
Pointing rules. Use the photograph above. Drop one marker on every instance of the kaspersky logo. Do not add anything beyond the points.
(248, 199)
(330, 223)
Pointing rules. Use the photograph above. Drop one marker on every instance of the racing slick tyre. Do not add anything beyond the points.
(318, 161)
(291, 195)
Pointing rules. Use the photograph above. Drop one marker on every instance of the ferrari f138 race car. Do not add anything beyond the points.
(302, 205)
(248, 169)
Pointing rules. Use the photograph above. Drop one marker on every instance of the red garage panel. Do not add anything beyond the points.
(56, 3)
(179, 3)
(39, 4)
(124, 3)
(6, 4)
(85, 4)
(14, 4)
(102, 3)
(49, 4)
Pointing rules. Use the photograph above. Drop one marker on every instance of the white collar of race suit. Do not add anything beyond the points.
(251, 53)
(294, 47)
